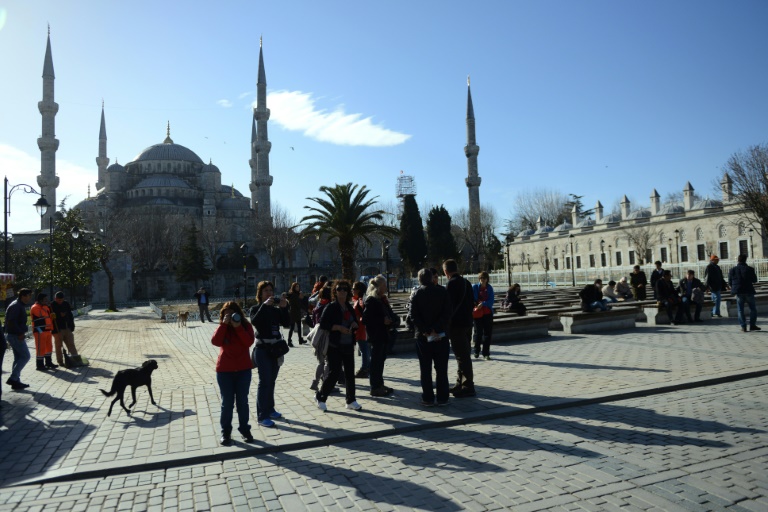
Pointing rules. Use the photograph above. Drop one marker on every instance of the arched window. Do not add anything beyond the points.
(589, 245)
(699, 234)
(576, 247)
(722, 232)
(662, 238)
(617, 242)
(742, 229)
(683, 236)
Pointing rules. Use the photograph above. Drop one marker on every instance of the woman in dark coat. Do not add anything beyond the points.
(512, 302)
(294, 301)
(267, 316)
(340, 321)
(377, 319)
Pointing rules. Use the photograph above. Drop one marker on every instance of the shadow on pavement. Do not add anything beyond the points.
(581, 366)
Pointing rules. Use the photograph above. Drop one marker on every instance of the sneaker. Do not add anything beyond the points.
(362, 373)
(290, 344)
(754, 328)
(426, 403)
(354, 406)
(388, 390)
(225, 440)
(717, 316)
(444, 402)
(382, 391)
(17, 385)
(275, 415)
(267, 423)
(302, 342)
(321, 405)
(246, 433)
(743, 329)
(487, 358)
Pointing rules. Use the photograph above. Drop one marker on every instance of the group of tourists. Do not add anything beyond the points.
(53, 326)
(677, 298)
(353, 317)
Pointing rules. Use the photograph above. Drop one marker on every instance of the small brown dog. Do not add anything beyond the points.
(182, 319)
(134, 378)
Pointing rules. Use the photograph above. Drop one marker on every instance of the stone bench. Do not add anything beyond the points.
(598, 321)
(553, 313)
(728, 306)
(517, 328)
(657, 315)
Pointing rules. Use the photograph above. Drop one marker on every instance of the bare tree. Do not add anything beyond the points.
(390, 214)
(748, 169)
(309, 242)
(548, 204)
(212, 240)
(276, 234)
(474, 241)
(641, 237)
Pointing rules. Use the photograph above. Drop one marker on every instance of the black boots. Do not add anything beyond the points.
(49, 363)
(226, 438)
(246, 432)
(40, 365)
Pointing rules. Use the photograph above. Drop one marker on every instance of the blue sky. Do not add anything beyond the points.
(595, 98)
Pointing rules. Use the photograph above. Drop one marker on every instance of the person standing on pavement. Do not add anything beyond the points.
(741, 279)
(361, 335)
(377, 319)
(638, 281)
(713, 278)
(267, 316)
(15, 328)
(64, 327)
(234, 337)
(294, 302)
(42, 330)
(431, 311)
(461, 296)
(202, 304)
(339, 320)
(484, 299)
(656, 276)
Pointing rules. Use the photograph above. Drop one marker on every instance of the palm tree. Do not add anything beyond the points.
(346, 214)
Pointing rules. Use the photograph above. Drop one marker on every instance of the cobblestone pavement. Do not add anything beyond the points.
(702, 448)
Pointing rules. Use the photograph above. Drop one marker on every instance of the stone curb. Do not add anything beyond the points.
(165, 462)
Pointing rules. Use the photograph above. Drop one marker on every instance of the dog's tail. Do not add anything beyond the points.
(108, 394)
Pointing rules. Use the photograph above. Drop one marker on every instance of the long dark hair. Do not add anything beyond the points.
(234, 306)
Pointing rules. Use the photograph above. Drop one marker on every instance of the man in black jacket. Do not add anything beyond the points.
(713, 277)
(656, 276)
(687, 288)
(741, 278)
(202, 304)
(460, 328)
(431, 312)
(15, 328)
(63, 328)
(592, 297)
(667, 296)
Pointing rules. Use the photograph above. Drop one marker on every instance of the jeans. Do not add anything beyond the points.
(433, 353)
(378, 356)
(749, 298)
(338, 357)
(461, 344)
(610, 300)
(598, 305)
(365, 353)
(20, 354)
(716, 298)
(265, 392)
(234, 387)
(483, 332)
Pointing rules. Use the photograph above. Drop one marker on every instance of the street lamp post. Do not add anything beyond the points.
(510, 239)
(669, 243)
(677, 245)
(751, 249)
(546, 265)
(602, 253)
(573, 262)
(244, 251)
(50, 253)
(75, 233)
(41, 206)
(385, 247)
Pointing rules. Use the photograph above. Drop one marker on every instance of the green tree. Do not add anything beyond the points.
(346, 214)
(441, 245)
(493, 253)
(412, 244)
(25, 264)
(74, 259)
(191, 264)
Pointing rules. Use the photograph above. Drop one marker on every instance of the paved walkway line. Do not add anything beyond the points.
(167, 462)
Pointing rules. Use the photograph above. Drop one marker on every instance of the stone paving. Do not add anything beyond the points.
(703, 448)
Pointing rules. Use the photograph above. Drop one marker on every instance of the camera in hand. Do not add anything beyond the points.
(236, 317)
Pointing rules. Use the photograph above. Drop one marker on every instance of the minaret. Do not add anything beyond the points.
(473, 180)
(48, 143)
(260, 147)
(102, 161)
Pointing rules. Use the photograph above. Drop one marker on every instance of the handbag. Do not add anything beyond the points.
(478, 312)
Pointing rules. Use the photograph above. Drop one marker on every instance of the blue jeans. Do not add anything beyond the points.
(433, 353)
(716, 297)
(234, 387)
(265, 393)
(598, 305)
(749, 298)
(365, 353)
(610, 300)
(20, 354)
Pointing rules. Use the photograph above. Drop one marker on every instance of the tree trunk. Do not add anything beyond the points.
(347, 251)
(110, 284)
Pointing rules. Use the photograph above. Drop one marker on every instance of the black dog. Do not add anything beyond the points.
(134, 377)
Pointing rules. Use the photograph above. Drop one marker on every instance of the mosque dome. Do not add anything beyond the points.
(565, 226)
(707, 203)
(544, 229)
(115, 167)
(671, 209)
(168, 151)
(585, 223)
(610, 219)
(642, 213)
(228, 190)
(527, 232)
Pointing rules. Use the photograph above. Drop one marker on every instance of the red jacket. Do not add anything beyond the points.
(234, 355)
(359, 305)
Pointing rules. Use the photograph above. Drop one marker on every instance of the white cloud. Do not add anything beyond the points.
(21, 167)
(224, 103)
(296, 111)
(245, 94)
